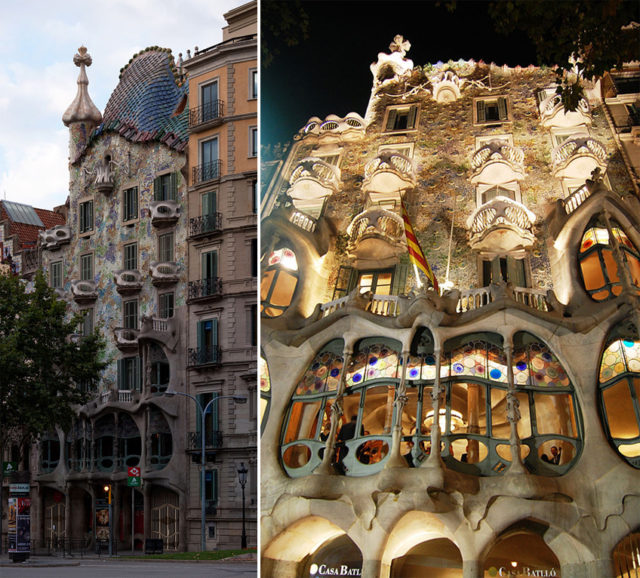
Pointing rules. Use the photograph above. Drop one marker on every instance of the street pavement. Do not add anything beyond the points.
(57, 567)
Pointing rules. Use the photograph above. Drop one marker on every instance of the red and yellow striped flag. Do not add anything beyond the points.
(415, 252)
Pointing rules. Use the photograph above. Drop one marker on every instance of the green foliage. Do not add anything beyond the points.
(40, 360)
(592, 35)
(283, 25)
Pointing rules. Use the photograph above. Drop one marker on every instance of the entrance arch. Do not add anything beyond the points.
(521, 549)
(438, 558)
(626, 555)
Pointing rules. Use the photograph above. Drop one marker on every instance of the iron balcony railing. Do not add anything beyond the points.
(203, 356)
(212, 440)
(205, 224)
(206, 172)
(205, 113)
(205, 288)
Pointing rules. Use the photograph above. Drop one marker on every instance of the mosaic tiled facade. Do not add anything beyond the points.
(528, 216)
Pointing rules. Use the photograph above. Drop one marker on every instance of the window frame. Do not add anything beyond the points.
(130, 314)
(130, 256)
(391, 117)
(56, 279)
(165, 187)
(86, 217)
(253, 142)
(253, 84)
(503, 116)
(130, 202)
(166, 247)
(166, 310)
(87, 268)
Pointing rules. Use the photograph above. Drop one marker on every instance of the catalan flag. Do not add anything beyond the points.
(415, 252)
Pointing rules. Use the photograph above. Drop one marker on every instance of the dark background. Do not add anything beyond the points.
(328, 72)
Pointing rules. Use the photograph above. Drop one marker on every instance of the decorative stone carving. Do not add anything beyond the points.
(391, 66)
(54, 238)
(446, 86)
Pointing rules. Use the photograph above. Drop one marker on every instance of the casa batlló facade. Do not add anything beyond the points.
(521, 370)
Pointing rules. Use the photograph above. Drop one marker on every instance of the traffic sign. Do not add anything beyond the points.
(134, 472)
(134, 482)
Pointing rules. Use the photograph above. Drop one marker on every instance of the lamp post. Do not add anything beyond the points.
(107, 488)
(203, 413)
(242, 478)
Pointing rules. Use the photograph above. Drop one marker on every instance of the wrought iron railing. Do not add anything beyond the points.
(203, 356)
(205, 113)
(205, 288)
(205, 224)
(212, 440)
(206, 172)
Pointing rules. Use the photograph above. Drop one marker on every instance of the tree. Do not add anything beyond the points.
(584, 38)
(42, 362)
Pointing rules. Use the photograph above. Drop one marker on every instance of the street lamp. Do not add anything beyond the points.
(107, 489)
(242, 478)
(203, 413)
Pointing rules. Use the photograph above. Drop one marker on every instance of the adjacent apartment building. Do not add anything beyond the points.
(156, 252)
(486, 422)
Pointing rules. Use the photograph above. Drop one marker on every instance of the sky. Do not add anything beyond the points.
(328, 73)
(38, 39)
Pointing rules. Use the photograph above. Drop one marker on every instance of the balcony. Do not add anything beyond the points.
(501, 225)
(312, 181)
(194, 440)
(552, 113)
(206, 115)
(164, 331)
(383, 305)
(164, 273)
(205, 288)
(126, 339)
(333, 129)
(376, 235)
(205, 225)
(54, 238)
(477, 298)
(164, 213)
(446, 86)
(206, 172)
(496, 163)
(577, 157)
(128, 281)
(386, 175)
(302, 221)
(203, 356)
(84, 291)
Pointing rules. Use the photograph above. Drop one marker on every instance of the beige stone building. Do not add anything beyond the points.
(222, 284)
(492, 426)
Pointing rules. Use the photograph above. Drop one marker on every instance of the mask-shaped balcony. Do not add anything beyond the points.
(496, 163)
(376, 235)
(333, 129)
(128, 282)
(578, 157)
(552, 113)
(54, 238)
(164, 273)
(386, 175)
(164, 213)
(500, 226)
(312, 181)
(126, 339)
(84, 291)
(160, 330)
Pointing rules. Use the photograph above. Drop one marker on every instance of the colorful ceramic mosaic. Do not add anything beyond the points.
(534, 364)
(373, 362)
(622, 356)
(422, 367)
(479, 359)
(265, 380)
(322, 375)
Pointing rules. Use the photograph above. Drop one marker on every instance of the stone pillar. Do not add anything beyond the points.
(395, 458)
(184, 506)
(336, 413)
(371, 568)
(67, 513)
(434, 460)
(472, 569)
(513, 416)
(146, 492)
(115, 511)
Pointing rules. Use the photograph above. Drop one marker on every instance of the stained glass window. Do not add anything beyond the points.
(322, 375)
(480, 359)
(279, 282)
(534, 364)
(374, 361)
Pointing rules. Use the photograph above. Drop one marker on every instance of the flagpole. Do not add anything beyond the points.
(415, 270)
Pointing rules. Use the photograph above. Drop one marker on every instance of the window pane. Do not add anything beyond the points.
(468, 408)
(283, 290)
(377, 414)
(554, 414)
(619, 408)
(524, 424)
(303, 421)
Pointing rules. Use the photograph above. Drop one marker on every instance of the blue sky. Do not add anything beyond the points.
(38, 78)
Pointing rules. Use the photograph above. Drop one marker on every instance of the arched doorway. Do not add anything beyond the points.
(338, 556)
(439, 558)
(521, 550)
(626, 556)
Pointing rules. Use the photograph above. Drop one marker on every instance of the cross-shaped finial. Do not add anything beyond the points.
(400, 45)
(82, 57)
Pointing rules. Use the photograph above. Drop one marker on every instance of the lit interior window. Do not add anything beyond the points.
(279, 282)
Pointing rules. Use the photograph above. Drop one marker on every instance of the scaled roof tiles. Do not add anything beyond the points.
(23, 222)
(142, 106)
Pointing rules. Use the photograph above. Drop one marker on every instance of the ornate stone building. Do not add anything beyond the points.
(521, 370)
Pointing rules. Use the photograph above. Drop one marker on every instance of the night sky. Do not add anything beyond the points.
(328, 73)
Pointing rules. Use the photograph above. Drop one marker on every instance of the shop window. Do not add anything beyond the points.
(401, 118)
(619, 385)
(598, 263)
(265, 392)
(279, 281)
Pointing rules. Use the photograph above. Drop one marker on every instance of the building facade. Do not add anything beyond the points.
(222, 278)
(521, 366)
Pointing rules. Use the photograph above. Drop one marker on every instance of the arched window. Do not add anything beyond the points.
(265, 392)
(161, 439)
(129, 441)
(306, 426)
(619, 385)
(598, 262)
(278, 284)
(549, 427)
(49, 452)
